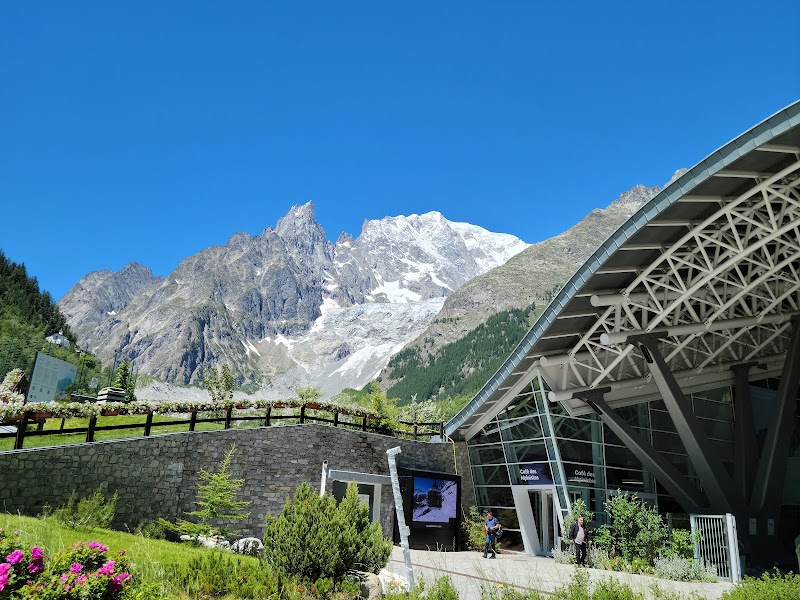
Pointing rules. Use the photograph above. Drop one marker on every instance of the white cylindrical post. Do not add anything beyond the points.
(324, 479)
(401, 519)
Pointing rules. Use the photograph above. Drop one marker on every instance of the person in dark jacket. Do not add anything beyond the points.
(579, 535)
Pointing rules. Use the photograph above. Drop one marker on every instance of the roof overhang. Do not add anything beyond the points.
(712, 264)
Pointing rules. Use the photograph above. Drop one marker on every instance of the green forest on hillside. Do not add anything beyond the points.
(27, 316)
(461, 368)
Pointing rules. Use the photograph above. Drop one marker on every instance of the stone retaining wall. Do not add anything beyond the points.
(158, 476)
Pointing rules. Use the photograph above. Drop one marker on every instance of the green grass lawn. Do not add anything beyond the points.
(32, 441)
(152, 559)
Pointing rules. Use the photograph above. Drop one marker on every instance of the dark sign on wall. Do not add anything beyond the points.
(536, 474)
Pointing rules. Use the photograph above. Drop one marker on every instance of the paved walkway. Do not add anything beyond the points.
(469, 571)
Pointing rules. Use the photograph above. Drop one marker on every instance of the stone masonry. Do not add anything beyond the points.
(157, 476)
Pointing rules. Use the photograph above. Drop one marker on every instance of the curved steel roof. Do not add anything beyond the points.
(712, 262)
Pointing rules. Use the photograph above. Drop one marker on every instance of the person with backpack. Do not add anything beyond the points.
(490, 527)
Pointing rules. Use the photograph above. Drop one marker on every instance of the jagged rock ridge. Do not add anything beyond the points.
(286, 306)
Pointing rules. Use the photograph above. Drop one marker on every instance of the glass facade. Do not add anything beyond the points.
(579, 457)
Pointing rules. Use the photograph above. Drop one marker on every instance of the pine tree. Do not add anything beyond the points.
(216, 499)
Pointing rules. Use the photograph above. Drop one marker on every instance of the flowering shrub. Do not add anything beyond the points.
(67, 410)
(7, 388)
(84, 572)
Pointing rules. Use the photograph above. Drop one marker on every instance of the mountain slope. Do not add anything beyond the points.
(531, 278)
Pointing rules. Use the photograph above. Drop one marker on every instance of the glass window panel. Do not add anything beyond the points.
(625, 479)
(636, 415)
(523, 452)
(667, 442)
(491, 475)
(661, 420)
(717, 429)
(521, 406)
(489, 434)
(722, 394)
(581, 452)
(573, 429)
(508, 518)
(724, 449)
(527, 427)
(583, 475)
(494, 496)
(621, 457)
(487, 455)
(713, 410)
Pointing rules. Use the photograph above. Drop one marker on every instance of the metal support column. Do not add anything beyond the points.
(687, 495)
(717, 484)
(768, 486)
(745, 450)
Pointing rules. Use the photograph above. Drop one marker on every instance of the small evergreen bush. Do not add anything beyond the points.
(770, 586)
(637, 529)
(86, 513)
(313, 538)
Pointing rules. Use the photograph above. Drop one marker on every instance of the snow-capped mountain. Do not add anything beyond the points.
(286, 307)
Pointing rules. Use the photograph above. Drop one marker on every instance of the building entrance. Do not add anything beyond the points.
(537, 512)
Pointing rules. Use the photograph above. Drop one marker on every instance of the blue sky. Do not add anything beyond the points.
(149, 130)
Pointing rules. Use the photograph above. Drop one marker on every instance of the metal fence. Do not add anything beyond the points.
(718, 545)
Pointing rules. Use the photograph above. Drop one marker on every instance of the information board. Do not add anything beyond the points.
(51, 376)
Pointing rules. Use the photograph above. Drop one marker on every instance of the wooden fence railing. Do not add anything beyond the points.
(32, 425)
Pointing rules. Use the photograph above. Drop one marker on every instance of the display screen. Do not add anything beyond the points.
(435, 500)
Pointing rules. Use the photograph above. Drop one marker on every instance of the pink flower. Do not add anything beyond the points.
(107, 569)
(15, 557)
(81, 579)
(75, 568)
(122, 552)
(98, 546)
(5, 568)
(36, 553)
(64, 577)
(35, 567)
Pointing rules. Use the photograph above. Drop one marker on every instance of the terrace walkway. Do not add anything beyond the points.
(469, 571)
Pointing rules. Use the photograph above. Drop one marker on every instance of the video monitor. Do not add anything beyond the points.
(435, 500)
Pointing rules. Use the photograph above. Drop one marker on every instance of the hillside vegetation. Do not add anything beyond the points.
(458, 369)
(27, 316)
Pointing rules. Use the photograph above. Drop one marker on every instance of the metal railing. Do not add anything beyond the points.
(228, 418)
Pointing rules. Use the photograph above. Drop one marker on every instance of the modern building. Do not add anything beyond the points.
(668, 365)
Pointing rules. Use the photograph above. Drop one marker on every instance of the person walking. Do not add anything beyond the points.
(490, 527)
(579, 535)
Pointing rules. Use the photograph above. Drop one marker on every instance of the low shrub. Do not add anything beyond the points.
(313, 538)
(565, 557)
(678, 568)
(682, 543)
(218, 573)
(505, 592)
(87, 513)
(577, 588)
(609, 589)
(153, 530)
(770, 586)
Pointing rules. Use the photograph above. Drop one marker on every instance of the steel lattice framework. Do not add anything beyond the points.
(711, 265)
(722, 294)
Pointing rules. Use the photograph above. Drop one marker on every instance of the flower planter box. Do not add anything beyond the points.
(108, 412)
(40, 415)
